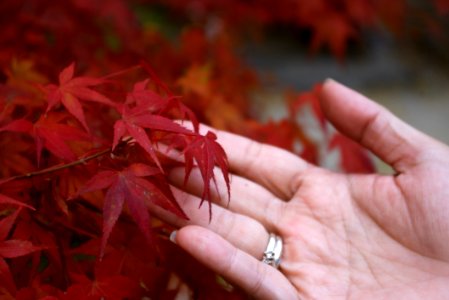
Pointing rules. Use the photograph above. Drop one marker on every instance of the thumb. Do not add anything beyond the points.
(373, 126)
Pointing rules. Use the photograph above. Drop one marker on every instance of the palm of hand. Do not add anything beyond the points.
(337, 246)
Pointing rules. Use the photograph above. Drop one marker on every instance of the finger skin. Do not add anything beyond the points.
(370, 124)
(256, 278)
(231, 226)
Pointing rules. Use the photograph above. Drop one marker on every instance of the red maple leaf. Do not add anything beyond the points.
(142, 116)
(206, 152)
(129, 186)
(73, 89)
(143, 97)
(173, 101)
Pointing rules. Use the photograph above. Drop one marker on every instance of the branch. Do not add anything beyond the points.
(59, 167)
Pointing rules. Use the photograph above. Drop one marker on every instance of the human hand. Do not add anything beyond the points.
(345, 236)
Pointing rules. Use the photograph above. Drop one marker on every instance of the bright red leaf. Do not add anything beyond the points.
(206, 153)
(155, 103)
(130, 186)
(142, 116)
(73, 89)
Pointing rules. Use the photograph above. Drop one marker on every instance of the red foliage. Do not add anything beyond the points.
(128, 185)
(83, 158)
(133, 174)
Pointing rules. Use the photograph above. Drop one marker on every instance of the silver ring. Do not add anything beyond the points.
(273, 252)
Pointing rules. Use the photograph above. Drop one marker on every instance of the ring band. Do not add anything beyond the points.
(273, 252)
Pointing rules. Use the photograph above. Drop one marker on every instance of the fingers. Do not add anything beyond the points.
(274, 168)
(243, 232)
(247, 197)
(373, 126)
(257, 279)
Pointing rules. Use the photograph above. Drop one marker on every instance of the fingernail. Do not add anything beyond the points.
(173, 236)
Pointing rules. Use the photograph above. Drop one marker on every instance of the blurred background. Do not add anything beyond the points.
(404, 67)
(410, 76)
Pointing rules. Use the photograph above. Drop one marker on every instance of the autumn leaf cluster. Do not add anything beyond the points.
(86, 142)
(100, 99)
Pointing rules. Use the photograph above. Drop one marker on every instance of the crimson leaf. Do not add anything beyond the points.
(206, 152)
(71, 90)
(140, 117)
(129, 186)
